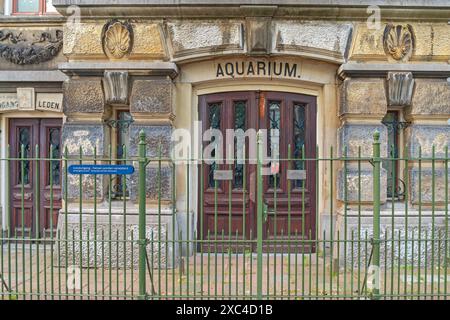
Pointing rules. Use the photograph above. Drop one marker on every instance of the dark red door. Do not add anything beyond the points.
(227, 207)
(290, 186)
(35, 192)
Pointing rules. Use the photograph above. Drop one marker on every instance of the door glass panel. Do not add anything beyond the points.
(55, 149)
(299, 139)
(24, 146)
(239, 124)
(274, 141)
(25, 6)
(214, 123)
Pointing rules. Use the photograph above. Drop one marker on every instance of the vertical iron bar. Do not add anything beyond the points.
(376, 213)
(142, 212)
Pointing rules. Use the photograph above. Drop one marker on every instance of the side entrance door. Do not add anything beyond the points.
(35, 186)
(227, 191)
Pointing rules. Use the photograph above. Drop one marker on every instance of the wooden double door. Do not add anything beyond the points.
(35, 185)
(227, 204)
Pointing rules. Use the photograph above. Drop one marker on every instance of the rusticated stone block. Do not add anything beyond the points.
(88, 137)
(363, 97)
(151, 96)
(156, 136)
(192, 37)
(83, 96)
(360, 185)
(85, 136)
(157, 182)
(423, 181)
(397, 249)
(355, 136)
(83, 40)
(329, 39)
(431, 97)
(424, 137)
(120, 248)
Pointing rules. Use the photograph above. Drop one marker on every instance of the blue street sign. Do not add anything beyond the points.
(101, 169)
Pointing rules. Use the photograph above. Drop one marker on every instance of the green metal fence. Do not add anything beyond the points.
(108, 247)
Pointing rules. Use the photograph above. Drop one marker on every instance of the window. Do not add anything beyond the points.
(120, 124)
(33, 7)
(395, 125)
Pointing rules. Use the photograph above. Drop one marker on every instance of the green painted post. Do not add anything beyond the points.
(142, 208)
(259, 219)
(375, 267)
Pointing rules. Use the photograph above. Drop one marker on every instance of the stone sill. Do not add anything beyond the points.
(41, 20)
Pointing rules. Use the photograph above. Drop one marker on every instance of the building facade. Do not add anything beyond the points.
(94, 75)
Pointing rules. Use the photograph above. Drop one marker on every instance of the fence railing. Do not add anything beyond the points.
(199, 230)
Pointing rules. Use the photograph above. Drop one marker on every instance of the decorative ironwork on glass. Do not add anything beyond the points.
(239, 124)
(299, 139)
(274, 142)
(214, 123)
(122, 124)
(24, 145)
(55, 148)
(395, 185)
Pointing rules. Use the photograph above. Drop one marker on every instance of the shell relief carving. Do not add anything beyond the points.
(117, 39)
(399, 41)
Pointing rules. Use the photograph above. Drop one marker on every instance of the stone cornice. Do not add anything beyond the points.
(98, 68)
(328, 3)
(350, 10)
(425, 70)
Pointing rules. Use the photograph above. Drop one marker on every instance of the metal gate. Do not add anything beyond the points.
(112, 248)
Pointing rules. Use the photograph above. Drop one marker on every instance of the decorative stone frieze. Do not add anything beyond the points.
(158, 139)
(87, 138)
(116, 253)
(151, 96)
(117, 39)
(200, 37)
(320, 39)
(156, 136)
(430, 43)
(400, 88)
(115, 85)
(355, 136)
(424, 137)
(360, 185)
(83, 96)
(431, 98)
(20, 50)
(399, 41)
(423, 182)
(84, 41)
(156, 183)
(363, 97)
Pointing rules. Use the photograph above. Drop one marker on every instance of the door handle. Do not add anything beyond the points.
(265, 211)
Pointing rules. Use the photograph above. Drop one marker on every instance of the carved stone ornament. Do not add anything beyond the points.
(399, 41)
(117, 39)
(18, 50)
(115, 85)
(400, 88)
